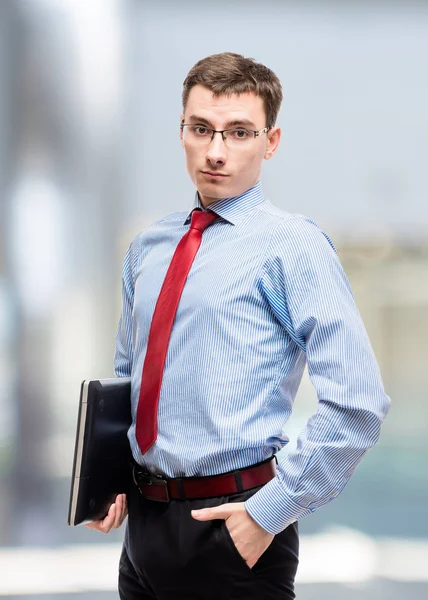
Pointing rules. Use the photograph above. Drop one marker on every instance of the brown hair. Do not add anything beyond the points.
(230, 73)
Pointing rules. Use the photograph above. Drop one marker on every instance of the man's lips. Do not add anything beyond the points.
(213, 174)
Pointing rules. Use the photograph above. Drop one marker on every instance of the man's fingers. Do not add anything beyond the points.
(124, 507)
(103, 526)
(115, 516)
(215, 512)
(108, 522)
(119, 510)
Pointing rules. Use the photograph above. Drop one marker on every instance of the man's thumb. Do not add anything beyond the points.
(206, 514)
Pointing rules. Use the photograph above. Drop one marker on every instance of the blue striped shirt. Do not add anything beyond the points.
(266, 293)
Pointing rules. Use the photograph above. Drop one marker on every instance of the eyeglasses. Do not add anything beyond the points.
(202, 135)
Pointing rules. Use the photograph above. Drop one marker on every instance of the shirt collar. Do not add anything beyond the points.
(232, 209)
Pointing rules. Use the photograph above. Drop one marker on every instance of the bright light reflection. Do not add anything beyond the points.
(37, 224)
(341, 556)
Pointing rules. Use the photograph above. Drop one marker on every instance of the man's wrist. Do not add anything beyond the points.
(272, 510)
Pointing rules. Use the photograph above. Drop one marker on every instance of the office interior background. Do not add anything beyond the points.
(89, 154)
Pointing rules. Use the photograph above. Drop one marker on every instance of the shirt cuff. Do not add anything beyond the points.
(272, 509)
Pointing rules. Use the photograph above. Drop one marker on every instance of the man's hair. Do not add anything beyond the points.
(230, 73)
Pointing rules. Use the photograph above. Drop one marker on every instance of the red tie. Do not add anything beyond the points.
(160, 328)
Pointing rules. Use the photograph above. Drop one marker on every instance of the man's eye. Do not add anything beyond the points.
(241, 134)
(200, 130)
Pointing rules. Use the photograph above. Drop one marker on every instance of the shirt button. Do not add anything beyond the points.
(152, 469)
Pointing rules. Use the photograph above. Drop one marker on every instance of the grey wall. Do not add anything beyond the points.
(355, 125)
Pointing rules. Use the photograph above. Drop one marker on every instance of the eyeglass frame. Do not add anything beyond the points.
(256, 132)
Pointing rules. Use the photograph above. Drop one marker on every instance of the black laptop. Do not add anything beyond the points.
(102, 455)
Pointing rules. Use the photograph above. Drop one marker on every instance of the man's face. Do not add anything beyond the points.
(218, 168)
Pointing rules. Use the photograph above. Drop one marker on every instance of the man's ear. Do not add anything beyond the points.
(274, 136)
(181, 131)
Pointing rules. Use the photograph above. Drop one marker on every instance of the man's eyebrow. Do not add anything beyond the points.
(234, 123)
(199, 120)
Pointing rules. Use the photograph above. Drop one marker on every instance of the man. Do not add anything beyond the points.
(222, 307)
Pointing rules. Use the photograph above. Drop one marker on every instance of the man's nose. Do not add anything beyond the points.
(216, 152)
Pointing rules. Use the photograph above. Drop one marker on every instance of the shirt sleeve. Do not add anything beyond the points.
(309, 294)
(124, 349)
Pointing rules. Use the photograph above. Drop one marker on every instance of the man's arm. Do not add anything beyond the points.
(124, 351)
(123, 366)
(309, 294)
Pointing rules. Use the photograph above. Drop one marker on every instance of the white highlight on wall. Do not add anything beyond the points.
(340, 555)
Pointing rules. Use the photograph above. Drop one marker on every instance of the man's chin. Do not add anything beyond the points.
(214, 190)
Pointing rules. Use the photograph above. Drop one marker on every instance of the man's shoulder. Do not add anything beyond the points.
(149, 227)
(285, 220)
(175, 218)
(294, 229)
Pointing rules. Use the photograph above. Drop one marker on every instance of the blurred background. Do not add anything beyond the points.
(89, 154)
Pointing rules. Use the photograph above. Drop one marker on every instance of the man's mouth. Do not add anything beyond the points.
(214, 175)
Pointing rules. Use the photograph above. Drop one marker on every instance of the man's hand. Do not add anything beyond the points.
(250, 539)
(114, 518)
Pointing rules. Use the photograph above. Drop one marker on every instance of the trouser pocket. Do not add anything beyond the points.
(235, 554)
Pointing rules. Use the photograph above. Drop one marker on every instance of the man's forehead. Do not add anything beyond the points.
(202, 102)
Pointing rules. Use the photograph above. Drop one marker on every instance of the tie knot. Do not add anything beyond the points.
(201, 219)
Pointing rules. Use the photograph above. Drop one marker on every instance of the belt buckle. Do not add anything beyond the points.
(151, 480)
(157, 481)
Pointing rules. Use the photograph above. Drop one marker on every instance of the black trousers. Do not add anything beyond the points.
(169, 555)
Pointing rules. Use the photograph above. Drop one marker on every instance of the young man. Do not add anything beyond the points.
(222, 307)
